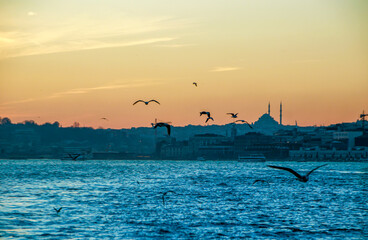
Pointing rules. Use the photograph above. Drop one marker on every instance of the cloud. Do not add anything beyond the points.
(175, 45)
(224, 69)
(84, 34)
(83, 91)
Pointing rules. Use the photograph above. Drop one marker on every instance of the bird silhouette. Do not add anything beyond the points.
(162, 124)
(57, 210)
(260, 180)
(209, 118)
(195, 84)
(153, 100)
(206, 113)
(74, 156)
(243, 121)
(163, 196)
(105, 119)
(302, 178)
(233, 115)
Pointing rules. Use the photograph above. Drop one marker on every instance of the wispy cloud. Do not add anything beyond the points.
(76, 91)
(175, 45)
(224, 69)
(84, 34)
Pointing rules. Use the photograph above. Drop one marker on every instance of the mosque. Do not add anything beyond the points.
(268, 122)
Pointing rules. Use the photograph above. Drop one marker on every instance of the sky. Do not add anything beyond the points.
(80, 61)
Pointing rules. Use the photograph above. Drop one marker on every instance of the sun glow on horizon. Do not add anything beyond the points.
(80, 61)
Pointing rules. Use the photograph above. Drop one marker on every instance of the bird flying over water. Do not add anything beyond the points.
(57, 210)
(260, 180)
(74, 156)
(233, 115)
(153, 100)
(195, 84)
(163, 196)
(162, 124)
(301, 178)
(243, 121)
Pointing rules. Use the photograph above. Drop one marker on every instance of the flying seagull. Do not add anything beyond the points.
(162, 124)
(206, 113)
(209, 119)
(163, 196)
(105, 119)
(74, 156)
(57, 210)
(195, 84)
(260, 180)
(243, 121)
(301, 178)
(153, 100)
(233, 115)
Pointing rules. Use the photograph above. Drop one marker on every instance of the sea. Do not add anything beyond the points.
(147, 199)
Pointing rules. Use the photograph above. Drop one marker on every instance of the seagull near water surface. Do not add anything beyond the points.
(302, 178)
(146, 102)
(58, 210)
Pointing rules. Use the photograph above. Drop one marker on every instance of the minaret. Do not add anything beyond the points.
(280, 113)
(269, 109)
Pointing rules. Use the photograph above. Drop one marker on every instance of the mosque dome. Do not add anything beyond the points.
(266, 121)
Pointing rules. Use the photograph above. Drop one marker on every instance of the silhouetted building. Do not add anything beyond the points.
(212, 146)
(362, 140)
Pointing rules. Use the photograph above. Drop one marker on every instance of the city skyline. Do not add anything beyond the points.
(83, 61)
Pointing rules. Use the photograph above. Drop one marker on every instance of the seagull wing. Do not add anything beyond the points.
(168, 129)
(315, 169)
(286, 169)
(248, 124)
(153, 100)
(138, 102)
(230, 113)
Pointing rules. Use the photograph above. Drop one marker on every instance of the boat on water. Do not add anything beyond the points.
(252, 158)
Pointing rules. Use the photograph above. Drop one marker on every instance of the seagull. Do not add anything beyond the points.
(162, 124)
(204, 112)
(153, 100)
(304, 178)
(164, 194)
(243, 121)
(209, 119)
(73, 157)
(195, 84)
(233, 115)
(57, 210)
(260, 180)
(105, 119)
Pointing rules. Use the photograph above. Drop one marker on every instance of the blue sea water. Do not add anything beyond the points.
(210, 200)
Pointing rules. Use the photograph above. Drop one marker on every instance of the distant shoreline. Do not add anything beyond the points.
(191, 160)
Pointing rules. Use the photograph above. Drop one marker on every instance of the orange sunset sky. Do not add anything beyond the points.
(83, 60)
